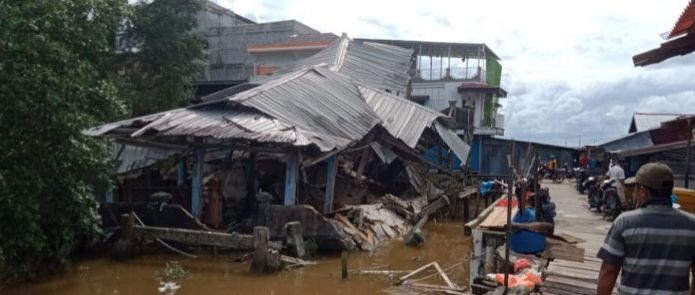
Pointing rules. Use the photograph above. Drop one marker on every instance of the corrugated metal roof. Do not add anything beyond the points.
(628, 142)
(685, 22)
(380, 66)
(314, 106)
(330, 101)
(460, 148)
(130, 157)
(645, 121)
(403, 119)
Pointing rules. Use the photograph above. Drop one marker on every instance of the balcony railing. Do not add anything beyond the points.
(471, 74)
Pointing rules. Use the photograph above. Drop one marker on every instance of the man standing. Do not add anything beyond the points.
(617, 174)
(653, 245)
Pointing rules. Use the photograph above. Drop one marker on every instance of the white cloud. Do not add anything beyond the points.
(567, 65)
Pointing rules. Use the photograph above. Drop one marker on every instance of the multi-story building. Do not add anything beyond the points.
(227, 38)
(460, 79)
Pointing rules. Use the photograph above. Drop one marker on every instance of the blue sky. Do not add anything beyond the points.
(567, 64)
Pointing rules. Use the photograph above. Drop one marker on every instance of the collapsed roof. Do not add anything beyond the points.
(329, 101)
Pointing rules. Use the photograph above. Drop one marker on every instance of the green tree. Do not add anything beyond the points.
(162, 54)
(54, 82)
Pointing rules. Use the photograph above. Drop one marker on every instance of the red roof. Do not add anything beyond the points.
(300, 42)
(685, 22)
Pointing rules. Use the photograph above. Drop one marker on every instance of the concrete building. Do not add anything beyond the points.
(227, 37)
(460, 79)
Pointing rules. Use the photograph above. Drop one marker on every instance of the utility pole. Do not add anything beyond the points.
(580, 141)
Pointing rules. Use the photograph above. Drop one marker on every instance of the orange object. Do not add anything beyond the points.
(521, 264)
(527, 279)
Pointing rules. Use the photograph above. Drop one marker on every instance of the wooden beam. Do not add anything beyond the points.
(331, 171)
(679, 46)
(196, 237)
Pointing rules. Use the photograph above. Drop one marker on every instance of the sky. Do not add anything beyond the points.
(567, 65)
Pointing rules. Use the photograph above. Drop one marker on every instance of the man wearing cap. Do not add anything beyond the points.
(654, 245)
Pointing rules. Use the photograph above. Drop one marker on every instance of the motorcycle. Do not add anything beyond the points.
(611, 205)
(594, 193)
(558, 175)
(581, 178)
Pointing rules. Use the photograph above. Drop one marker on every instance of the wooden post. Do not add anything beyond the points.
(466, 214)
(197, 181)
(687, 156)
(331, 171)
(251, 183)
(123, 248)
(364, 158)
(415, 237)
(264, 258)
(291, 178)
(344, 264)
(508, 231)
(126, 223)
(295, 238)
(181, 171)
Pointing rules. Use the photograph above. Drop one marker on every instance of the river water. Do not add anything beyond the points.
(216, 275)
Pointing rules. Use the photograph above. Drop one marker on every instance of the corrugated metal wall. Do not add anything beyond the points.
(493, 152)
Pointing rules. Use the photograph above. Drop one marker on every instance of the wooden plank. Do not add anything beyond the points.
(497, 218)
(197, 237)
(565, 251)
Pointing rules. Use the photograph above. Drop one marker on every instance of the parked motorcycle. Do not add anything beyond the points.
(558, 175)
(594, 193)
(581, 177)
(611, 205)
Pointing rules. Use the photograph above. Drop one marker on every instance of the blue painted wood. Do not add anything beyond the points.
(181, 172)
(331, 171)
(291, 179)
(108, 197)
(197, 181)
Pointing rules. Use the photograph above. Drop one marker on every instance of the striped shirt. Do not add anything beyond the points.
(655, 247)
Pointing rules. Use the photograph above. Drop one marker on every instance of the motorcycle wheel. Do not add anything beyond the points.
(558, 179)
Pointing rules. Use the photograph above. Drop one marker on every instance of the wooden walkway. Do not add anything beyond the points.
(573, 218)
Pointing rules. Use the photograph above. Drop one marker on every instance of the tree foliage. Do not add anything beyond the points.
(51, 89)
(59, 74)
(163, 52)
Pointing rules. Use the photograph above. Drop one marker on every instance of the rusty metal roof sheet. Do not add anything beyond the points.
(685, 22)
(403, 119)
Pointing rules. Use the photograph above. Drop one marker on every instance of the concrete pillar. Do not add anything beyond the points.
(291, 178)
(331, 171)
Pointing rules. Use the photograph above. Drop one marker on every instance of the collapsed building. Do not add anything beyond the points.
(329, 141)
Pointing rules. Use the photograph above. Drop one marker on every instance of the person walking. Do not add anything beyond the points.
(654, 245)
(617, 175)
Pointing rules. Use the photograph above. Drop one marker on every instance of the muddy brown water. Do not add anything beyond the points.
(214, 275)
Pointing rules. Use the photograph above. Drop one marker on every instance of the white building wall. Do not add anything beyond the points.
(439, 92)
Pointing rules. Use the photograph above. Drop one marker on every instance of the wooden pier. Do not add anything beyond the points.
(573, 218)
